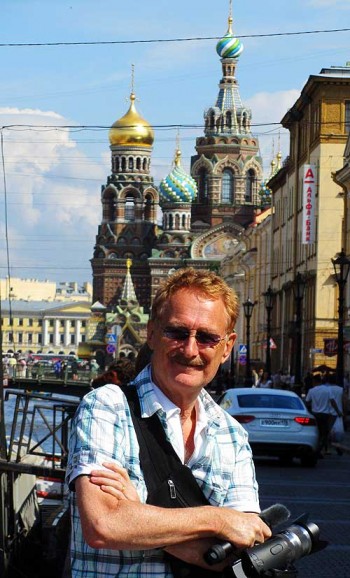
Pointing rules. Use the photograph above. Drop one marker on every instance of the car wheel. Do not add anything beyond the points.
(286, 460)
(309, 460)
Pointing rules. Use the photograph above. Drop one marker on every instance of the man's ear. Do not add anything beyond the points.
(150, 333)
(228, 346)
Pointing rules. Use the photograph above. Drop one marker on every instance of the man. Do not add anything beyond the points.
(190, 334)
(320, 400)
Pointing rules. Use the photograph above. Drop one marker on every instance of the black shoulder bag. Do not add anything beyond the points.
(170, 484)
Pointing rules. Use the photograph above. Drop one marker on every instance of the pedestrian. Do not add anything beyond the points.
(12, 362)
(264, 381)
(74, 369)
(120, 372)
(318, 400)
(120, 527)
(337, 412)
(57, 367)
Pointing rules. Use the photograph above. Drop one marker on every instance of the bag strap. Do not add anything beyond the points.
(160, 463)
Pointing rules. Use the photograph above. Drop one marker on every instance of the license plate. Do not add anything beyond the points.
(274, 422)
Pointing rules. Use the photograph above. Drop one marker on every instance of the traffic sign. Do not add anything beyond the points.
(110, 348)
(111, 338)
(242, 349)
(242, 360)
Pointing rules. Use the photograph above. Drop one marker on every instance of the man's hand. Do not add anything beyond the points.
(115, 481)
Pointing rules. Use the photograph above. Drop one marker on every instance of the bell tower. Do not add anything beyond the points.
(227, 166)
(129, 211)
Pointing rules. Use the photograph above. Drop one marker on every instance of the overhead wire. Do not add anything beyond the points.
(165, 40)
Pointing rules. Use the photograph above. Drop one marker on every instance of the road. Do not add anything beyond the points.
(324, 493)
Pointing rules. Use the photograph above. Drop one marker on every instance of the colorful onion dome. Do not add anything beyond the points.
(178, 186)
(131, 129)
(229, 46)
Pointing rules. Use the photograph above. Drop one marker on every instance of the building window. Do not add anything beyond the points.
(202, 186)
(83, 323)
(347, 116)
(40, 322)
(51, 338)
(83, 338)
(249, 186)
(62, 323)
(20, 322)
(227, 187)
(30, 322)
(30, 338)
(72, 339)
(51, 323)
(20, 337)
(40, 339)
(62, 339)
(129, 208)
(72, 323)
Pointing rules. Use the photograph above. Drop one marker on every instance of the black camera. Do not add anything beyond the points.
(275, 557)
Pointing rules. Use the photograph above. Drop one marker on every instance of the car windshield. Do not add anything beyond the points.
(270, 401)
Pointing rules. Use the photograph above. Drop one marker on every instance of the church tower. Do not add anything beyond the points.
(129, 212)
(227, 167)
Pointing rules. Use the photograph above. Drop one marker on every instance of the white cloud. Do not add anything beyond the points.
(267, 108)
(53, 192)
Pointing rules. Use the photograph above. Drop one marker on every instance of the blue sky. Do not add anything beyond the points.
(54, 176)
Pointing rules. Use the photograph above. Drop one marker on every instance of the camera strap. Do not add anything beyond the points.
(170, 484)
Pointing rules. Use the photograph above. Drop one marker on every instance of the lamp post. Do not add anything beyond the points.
(298, 290)
(341, 266)
(248, 307)
(269, 297)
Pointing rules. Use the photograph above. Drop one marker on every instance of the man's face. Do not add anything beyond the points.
(181, 367)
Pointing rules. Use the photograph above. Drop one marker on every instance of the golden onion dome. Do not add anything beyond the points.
(131, 129)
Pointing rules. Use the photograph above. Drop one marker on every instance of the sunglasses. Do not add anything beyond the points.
(203, 338)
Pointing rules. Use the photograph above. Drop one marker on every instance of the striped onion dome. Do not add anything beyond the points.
(229, 46)
(178, 186)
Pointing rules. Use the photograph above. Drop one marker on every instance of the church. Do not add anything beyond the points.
(203, 214)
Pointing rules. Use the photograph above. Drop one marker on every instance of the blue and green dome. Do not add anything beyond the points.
(178, 186)
(229, 46)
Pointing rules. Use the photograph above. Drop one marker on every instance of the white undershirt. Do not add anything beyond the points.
(174, 425)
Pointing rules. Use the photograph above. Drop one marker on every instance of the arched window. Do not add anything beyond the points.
(249, 185)
(123, 163)
(227, 187)
(202, 186)
(212, 121)
(148, 208)
(138, 163)
(131, 164)
(129, 208)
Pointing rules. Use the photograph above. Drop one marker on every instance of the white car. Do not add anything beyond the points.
(277, 421)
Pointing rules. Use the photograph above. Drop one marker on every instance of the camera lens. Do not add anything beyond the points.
(281, 550)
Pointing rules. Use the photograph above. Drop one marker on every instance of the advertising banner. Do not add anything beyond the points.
(309, 202)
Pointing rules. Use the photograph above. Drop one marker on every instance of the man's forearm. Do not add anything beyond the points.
(124, 525)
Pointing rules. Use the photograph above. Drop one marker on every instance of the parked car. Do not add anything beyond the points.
(277, 421)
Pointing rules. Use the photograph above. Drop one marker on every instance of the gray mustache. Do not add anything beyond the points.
(188, 362)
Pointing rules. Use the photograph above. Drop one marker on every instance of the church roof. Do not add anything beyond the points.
(229, 46)
(131, 129)
(178, 186)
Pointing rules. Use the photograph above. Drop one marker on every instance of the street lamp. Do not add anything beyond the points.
(269, 297)
(298, 290)
(341, 266)
(248, 307)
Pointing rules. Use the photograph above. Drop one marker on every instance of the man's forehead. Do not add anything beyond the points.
(186, 301)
